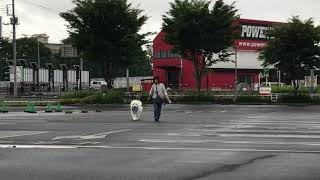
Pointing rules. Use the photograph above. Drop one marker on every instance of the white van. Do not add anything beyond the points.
(96, 85)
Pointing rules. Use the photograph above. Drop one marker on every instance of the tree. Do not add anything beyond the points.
(200, 33)
(5, 54)
(294, 49)
(107, 33)
(27, 49)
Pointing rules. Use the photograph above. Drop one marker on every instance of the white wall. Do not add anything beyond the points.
(121, 82)
(246, 60)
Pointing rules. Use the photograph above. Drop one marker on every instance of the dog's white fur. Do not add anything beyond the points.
(136, 109)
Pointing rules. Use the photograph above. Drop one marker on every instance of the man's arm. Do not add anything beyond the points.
(150, 92)
(166, 93)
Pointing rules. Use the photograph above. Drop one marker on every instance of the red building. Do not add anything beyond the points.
(175, 72)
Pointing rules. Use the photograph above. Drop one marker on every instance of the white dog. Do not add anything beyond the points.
(136, 109)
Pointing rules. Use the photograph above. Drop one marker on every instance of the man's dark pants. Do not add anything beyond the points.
(157, 110)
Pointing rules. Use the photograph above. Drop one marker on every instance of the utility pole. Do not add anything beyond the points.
(181, 72)
(39, 70)
(128, 83)
(312, 79)
(14, 23)
(80, 72)
(236, 75)
(279, 77)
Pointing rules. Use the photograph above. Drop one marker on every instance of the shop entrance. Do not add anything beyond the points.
(173, 79)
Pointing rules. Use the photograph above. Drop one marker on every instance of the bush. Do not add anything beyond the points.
(79, 94)
(70, 101)
(315, 99)
(289, 89)
(254, 99)
(110, 97)
(291, 98)
(195, 97)
(317, 90)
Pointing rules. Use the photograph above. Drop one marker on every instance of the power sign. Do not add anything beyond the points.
(253, 34)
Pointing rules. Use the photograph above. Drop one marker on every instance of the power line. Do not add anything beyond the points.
(40, 6)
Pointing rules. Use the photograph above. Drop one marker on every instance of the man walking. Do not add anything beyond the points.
(159, 95)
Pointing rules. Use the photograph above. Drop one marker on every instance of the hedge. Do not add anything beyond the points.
(78, 94)
(110, 97)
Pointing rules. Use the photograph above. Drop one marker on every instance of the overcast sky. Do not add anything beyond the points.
(35, 18)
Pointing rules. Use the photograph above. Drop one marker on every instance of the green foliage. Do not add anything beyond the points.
(317, 90)
(108, 33)
(79, 94)
(254, 99)
(289, 89)
(198, 97)
(294, 48)
(110, 97)
(69, 101)
(282, 89)
(199, 32)
(93, 97)
(291, 98)
(27, 49)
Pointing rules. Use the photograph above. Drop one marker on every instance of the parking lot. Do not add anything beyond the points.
(190, 142)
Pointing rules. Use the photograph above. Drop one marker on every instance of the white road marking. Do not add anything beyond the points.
(229, 142)
(92, 136)
(23, 133)
(273, 123)
(183, 135)
(268, 136)
(252, 131)
(154, 148)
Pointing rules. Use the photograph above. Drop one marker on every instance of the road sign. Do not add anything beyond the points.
(265, 91)
(266, 72)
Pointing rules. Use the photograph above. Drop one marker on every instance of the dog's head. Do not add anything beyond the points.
(135, 108)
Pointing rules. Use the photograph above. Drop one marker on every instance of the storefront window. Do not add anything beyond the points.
(165, 54)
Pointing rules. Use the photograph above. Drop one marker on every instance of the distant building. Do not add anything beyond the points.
(43, 38)
(67, 51)
(64, 50)
(177, 72)
(55, 48)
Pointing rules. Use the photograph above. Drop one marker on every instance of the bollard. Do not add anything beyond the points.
(59, 108)
(32, 108)
(49, 109)
(28, 108)
(4, 108)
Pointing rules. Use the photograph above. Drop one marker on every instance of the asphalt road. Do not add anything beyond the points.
(190, 142)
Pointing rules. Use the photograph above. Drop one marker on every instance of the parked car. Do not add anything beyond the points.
(96, 85)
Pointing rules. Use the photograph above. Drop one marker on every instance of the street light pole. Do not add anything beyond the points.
(181, 72)
(14, 22)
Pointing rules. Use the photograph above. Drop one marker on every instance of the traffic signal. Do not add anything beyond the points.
(7, 70)
(7, 73)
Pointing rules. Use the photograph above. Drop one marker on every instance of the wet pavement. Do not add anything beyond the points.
(190, 142)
